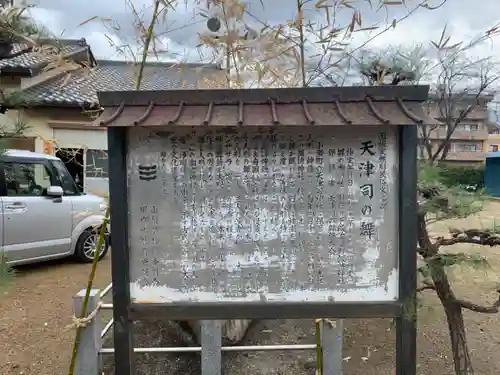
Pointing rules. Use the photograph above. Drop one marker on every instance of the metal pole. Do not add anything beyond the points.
(194, 349)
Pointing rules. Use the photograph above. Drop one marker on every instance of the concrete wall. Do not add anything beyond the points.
(494, 142)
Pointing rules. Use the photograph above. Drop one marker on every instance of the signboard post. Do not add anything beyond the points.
(260, 204)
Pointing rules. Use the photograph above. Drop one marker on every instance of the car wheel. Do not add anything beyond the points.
(87, 244)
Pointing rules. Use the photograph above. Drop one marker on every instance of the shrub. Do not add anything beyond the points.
(453, 176)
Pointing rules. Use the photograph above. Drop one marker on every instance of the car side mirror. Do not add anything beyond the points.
(55, 191)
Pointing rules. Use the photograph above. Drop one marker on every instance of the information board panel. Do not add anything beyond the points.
(263, 214)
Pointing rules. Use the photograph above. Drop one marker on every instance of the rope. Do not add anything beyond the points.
(83, 322)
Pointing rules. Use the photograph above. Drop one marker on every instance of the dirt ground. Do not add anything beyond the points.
(34, 313)
(37, 307)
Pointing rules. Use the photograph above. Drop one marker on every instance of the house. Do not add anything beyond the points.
(469, 142)
(57, 106)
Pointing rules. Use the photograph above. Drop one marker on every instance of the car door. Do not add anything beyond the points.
(34, 224)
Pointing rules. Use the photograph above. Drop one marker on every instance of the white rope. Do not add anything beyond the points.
(83, 322)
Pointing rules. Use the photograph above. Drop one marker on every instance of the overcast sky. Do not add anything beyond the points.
(465, 18)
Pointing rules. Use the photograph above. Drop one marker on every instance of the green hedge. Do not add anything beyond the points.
(461, 175)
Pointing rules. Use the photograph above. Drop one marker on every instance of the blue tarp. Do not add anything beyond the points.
(492, 174)
(493, 155)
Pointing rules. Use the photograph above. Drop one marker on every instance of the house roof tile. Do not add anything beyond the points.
(25, 57)
(81, 89)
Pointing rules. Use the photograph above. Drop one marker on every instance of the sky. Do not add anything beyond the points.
(179, 33)
(465, 19)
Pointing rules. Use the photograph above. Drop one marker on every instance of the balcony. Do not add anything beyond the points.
(481, 134)
(465, 152)
(466, 156)
(480, 112)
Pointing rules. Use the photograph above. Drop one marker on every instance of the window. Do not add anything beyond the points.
(26, 179)
(96, 163)
(64, 179)
(469, 127)
(493, 148)
(466, 147)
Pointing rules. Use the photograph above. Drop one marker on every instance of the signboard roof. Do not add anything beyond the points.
(368, 105)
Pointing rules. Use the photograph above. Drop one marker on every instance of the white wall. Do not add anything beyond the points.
(74, 138)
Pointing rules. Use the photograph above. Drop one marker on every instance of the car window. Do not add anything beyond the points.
(63, 179)
(26, 179)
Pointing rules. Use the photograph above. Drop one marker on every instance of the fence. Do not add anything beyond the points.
(89, 358)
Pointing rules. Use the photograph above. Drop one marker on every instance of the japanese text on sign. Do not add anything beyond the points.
(263, 214)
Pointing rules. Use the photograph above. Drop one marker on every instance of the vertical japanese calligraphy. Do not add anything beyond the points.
(262, 214)
(368, 229)
(382, 150)
(150, 244)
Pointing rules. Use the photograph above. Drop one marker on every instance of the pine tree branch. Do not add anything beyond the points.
(426, 285)
(492, 309)
(470, 236)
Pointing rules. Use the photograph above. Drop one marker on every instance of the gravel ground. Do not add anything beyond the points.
(35, 310)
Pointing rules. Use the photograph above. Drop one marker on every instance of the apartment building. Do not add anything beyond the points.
(469, 142)
(494, 140)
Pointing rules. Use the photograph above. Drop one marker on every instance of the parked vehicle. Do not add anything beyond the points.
(44, 214)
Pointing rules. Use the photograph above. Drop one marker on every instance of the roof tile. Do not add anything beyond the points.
(30, 59)
(81, 89)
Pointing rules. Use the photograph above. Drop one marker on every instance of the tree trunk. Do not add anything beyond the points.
(460, 350)
(454, 317)
(446, 150)
(452, 308)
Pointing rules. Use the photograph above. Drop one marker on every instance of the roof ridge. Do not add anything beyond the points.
(82, 42)
(158, 63)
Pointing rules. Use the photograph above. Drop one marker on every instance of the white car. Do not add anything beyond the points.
(44, 214)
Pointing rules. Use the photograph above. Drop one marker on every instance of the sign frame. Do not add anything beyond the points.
(403, 310)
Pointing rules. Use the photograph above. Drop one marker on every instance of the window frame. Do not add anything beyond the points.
(468, 127)
(16, 160)
(55, 172)
(454, 147)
